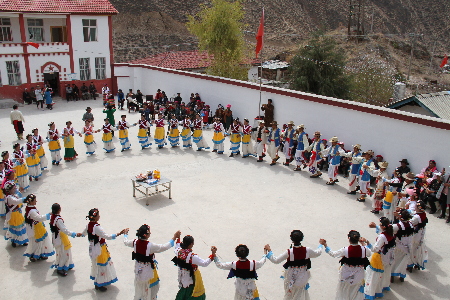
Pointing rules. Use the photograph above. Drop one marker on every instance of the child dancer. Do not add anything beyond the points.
(123, 126)
(159, 136)
(32, 159)
(38, 143)
(15, 222)
(198, 134)
(107, 129)
(20, 168)
(186, 132)
(69, 143)
(173, 134)
(144, 127)
(88, 131)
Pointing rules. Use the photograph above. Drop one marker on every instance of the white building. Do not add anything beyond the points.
(74, 40)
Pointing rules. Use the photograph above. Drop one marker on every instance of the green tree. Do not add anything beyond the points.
(219, 29)
(319, 68)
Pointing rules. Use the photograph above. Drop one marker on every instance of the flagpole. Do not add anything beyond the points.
(260, 86)
(259, 46)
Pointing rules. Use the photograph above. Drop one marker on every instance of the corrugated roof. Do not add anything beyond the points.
(437, 103)
(58, 6)
(179, 60)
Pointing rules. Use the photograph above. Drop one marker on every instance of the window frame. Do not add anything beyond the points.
(5, 27)
(85, 68)
(100, 68)
(88, 29)
(13, 72)
(33, 28)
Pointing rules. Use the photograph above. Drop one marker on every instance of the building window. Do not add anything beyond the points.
(36, 30)
(1, 84)
(85, 71)
(13, 69)
(5, 30)
(100, 68)
(90, 30)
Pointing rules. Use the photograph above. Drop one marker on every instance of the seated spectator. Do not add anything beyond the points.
(158, 96)
(84, 92)
(139, 97)
(428, 171)
(403, 169)
(178, 98)
(75, 92)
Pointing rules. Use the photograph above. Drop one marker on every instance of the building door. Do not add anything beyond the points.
(52, 79)
(59, 34)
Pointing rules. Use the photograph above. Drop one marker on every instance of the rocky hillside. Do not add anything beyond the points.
(146, 27)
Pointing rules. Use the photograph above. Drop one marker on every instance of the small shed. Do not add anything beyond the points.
(433, 104)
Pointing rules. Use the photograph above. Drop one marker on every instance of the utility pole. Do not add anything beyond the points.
(431, 58)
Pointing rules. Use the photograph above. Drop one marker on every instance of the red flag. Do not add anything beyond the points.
(35, 45)
(444, 61)
(260, 35)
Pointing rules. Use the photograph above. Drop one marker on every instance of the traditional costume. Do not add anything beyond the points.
(274, 143)
(174, 134)
(261, 140)
(123, 126)
(247, 145)
(33, 161)
(380, 190)
(190, 280)
(334, 152)
(364, 180)
(296, 274)
(40, 245)
(302, 145)
(60, 237)
(54, 146)
(108, 144)
(315, 148)
(160, 135)
(146, 280)
(38, 144)
(288, 148)
(404, 231)
(354, 169)
(354, 260)
(2, 195)
(69, 143)
(21, 169)
(197, 137)
(218, 137)
(14, 222)
(378, 274)
(235, 138)
(186, 133)
(102, 269)
(88, 132)
(245, 272)
(144, 126)
(418, 251)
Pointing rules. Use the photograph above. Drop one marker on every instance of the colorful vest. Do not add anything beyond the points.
(54, 136)
(335, 159)
(198, 124)
(140, 252)
(390, 243)
(246, 129)
(93, 237)
(217, 127)
(235, 128)
(122, 125)
(243, 269)
(365, 176)
(297, 257)
(355, 167)
(355, 256)
(423, 221)
(274, 136)
(289, 136)
(173, 123)
(159, 123)
(28, 220)
(107, 128)
(405, 229)
(300, 144)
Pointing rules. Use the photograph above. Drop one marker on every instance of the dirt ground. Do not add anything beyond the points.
(219, 200)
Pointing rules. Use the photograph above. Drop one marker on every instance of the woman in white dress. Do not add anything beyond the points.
(146, 280)
(60, 238)
(40, 246)
(102, 269)
(297, 264)
(354, 260)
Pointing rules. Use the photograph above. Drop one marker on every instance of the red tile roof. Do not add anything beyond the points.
(58, 6)
(180, 60)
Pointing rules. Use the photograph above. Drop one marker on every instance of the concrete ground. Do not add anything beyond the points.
(219, 200)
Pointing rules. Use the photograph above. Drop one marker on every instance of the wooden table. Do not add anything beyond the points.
(163, 185)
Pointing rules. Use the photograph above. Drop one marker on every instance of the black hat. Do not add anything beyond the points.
(404, 161)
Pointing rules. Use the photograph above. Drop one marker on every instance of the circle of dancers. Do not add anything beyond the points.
(366, 272)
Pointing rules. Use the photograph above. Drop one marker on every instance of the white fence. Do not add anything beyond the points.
(393, 134)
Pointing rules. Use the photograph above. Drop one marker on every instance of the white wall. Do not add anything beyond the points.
(391, 137)
(82, 49)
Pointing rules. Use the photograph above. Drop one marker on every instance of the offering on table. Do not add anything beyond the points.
(156, 174)
(141, 177)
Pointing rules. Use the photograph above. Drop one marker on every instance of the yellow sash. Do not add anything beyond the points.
(33, 160)
(218, 136)
(16, 219)
(65, 241)
(185, 132)
(89, 139)
(197, 133)
(255, 293)
(199, 289)
(69, 141)
(155, 278)
(104, 255)
(40, 152)
(376, 262)
(246, 138)
(39, 231)
(107, 137)
(159, 133)
(235, 138)
(142, 133)
(174, 133)
(54, 145)
(389, 197)
(123, 134)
